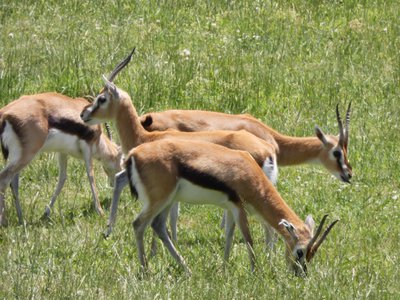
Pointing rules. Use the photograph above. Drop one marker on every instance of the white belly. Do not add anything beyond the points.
(57, 141)
(191, 193)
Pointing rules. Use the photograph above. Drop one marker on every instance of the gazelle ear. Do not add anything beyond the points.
(110, 87)
(310, 223)
(321, 136)
(290, 228)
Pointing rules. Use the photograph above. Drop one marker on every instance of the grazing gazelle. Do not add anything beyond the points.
(164, 172)
(328, 150)
(115, 104)
(51, 122)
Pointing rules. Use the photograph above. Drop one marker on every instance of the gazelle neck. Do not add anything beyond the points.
(129, 128)
(272, 209)
(297, 150)
(105, 150)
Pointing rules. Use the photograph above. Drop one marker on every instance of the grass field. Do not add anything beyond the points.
(288, 63)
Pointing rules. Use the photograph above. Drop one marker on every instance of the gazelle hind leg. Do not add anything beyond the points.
(6, 176)
(139, 225)
(159, 226)
(173, 222)
(62, 177)
(15, 191)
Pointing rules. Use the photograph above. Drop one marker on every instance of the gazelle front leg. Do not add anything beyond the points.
(173, 221)
(87, 156)
(62, 177)
(229, 224)
(240, 217)
(271, 236)
(120, 181)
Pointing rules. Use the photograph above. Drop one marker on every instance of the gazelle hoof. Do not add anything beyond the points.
(107, 232)
(47, 212)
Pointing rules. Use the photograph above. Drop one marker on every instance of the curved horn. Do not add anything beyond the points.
(315, 247)
(314, 238)
(120, 66)
(340, 124)
(108, 130)
(346, 126)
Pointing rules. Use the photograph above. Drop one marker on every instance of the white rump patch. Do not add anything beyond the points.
(138, 184)
(11, 141)
(270, 168)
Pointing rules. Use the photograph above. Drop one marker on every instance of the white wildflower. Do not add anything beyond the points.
(186, 52)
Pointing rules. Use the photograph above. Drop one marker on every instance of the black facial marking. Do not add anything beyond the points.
(299, 254)
(128, 167)
(207, 181)
(83, 131)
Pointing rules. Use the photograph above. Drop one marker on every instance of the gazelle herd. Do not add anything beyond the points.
(198, 157)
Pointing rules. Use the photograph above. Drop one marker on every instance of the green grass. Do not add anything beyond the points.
(288, 64)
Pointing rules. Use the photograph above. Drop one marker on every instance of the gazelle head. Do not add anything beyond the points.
(335, 149)
(304, 244)
(105, 105)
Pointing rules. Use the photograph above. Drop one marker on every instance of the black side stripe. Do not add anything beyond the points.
(207, 181)
(81, 130)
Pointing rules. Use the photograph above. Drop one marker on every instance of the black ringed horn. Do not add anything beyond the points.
(315, 247)
(314, 238)
(121, 65)
(346, 127)
(340, 124)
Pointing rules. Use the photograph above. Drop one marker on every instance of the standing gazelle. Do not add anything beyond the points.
(167, 171)
(51, 122)
(328, 150)
(115, 104)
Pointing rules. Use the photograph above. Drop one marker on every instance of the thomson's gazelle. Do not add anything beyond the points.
(51, 122)
(115, 104)
(328, 150)
(164, 172)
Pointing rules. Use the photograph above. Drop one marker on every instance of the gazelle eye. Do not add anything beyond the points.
(337, 154)
(101, 100)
